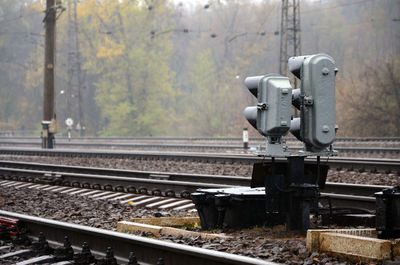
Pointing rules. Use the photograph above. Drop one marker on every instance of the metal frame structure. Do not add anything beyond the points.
(290, 44)
(75, 81)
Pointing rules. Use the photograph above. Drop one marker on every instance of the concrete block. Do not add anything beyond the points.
(125, 226)
(355, 248)
(180, 232)
(169, 221)
(312, 240)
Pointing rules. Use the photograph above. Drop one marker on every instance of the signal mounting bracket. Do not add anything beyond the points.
(326, 152)
(274, 147)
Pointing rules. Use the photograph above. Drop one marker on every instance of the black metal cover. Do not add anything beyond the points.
(261, 170)
(388, 213)
(237, 207)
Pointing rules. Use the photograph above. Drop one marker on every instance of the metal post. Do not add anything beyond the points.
(245, 138)
(69, 134)
(49, 124)
(318, 169)
(70, 61)
(299, 205)
(273, 192)
(290, 44)
(78, 70)
(283, 56)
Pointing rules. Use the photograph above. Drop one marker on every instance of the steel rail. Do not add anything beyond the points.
(128, 145)
(147, 250)
(388, 150)
(341, 194)
(353, 189)
(331, 187)
(361, 164)
(213, 139)
(351, 201)
(181, 188)
(188, 177)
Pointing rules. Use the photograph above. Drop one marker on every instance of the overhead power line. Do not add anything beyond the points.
(335, 6)
(5, 21)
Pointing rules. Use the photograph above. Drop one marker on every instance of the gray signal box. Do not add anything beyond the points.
(274, 105)
(272, 115)
(318, 89)
(315, 99)
(291, 189)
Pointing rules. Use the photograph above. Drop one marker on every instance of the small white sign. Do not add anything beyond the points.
(245, 136)
(69, 122)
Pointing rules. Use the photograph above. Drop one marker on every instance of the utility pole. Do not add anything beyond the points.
(74, 94)
(290, 37)
(290, 44)
(69, 61)
(78, 68)
(49, 125)
(70, 65)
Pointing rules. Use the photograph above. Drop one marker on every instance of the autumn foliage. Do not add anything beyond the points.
(164, 68)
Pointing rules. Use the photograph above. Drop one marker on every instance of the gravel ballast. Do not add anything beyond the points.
(388, 179)
(272, 244)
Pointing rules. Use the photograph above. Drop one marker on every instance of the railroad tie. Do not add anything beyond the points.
(70, 190)
(146, 201)
(79, 191)
(121, 197)
(100, 194)
(172, 205)
(112, 195)
(90, 193)
(135, 198)
(162, 202)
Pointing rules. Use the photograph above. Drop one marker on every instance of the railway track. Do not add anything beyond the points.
(360, 164)
(134, 199)
(166, 184)
(220, 145)
(195, 139)
(108, 247)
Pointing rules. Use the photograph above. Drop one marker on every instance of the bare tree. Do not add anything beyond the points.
(371, 103)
